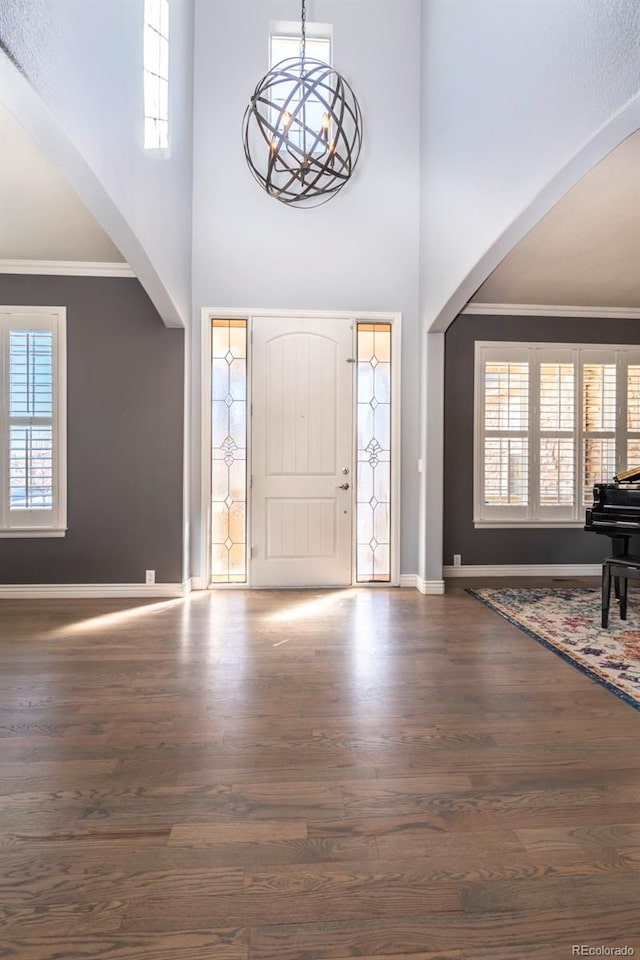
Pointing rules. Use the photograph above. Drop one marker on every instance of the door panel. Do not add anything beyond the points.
(300, 528)
(301, 443)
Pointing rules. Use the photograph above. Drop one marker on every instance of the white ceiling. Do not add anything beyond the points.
(584, 252)
(41, 217)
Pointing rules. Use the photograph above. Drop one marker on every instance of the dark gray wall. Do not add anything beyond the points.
(125, 406)
(507, 546)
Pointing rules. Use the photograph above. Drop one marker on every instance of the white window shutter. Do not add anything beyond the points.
(33, 421)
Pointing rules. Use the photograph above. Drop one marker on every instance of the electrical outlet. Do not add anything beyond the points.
(149, 576)
(457, 559)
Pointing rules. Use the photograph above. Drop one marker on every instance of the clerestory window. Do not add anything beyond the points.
(156, 74)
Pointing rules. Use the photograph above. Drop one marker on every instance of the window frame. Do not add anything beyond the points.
(40, 523)
(290, 30)
(534, 514)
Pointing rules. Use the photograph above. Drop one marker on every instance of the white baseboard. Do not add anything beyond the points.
(424, 586)
(408, 580)
(193, 583)
(525, 570)
(77, 591)
(432, 587)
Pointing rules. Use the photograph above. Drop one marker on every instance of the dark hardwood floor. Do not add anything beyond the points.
(308, 776)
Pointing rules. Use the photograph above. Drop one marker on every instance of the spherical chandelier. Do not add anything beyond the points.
(302, 130)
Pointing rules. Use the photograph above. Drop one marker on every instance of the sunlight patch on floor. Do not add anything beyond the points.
(310, 609)
(116, 618)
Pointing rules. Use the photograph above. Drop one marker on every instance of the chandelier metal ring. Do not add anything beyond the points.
(302, 132)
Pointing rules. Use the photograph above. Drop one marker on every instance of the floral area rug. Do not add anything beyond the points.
(567, 621)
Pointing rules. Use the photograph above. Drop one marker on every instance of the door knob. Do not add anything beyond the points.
(343, 486)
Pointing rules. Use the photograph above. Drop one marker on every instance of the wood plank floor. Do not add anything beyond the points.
(308, 776)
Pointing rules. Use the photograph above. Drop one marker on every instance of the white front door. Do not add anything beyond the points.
(302, 452)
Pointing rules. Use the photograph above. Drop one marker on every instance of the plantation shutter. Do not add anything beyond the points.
(553, 434)
(551, 421)
(504, 457)
(630, 454)
(31, 423)
(599, 408)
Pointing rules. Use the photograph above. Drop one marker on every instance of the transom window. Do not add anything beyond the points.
(156, 74)
(286, 42)
(32, 421)
(551, 421)
(284, 46)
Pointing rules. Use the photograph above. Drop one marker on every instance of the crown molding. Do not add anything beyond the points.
(67, 268)
(549, 310)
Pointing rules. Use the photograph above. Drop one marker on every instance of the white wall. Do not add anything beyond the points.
(518, 99)
(360, 250)
(84, 59)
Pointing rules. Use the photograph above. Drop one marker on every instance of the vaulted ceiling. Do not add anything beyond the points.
(586, 250)
(41, 217)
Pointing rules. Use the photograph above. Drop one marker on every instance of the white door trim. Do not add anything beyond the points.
(207, 314)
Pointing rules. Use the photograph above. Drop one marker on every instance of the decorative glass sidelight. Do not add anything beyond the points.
(229, 451)
(373, 477)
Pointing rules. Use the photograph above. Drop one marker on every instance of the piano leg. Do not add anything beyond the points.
(620, 546)
(606, 593)
(623, 598)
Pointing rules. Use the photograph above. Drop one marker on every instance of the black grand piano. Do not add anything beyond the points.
(616, 510)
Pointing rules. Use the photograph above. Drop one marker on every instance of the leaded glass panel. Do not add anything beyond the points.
(229, 451)
(373, 479)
